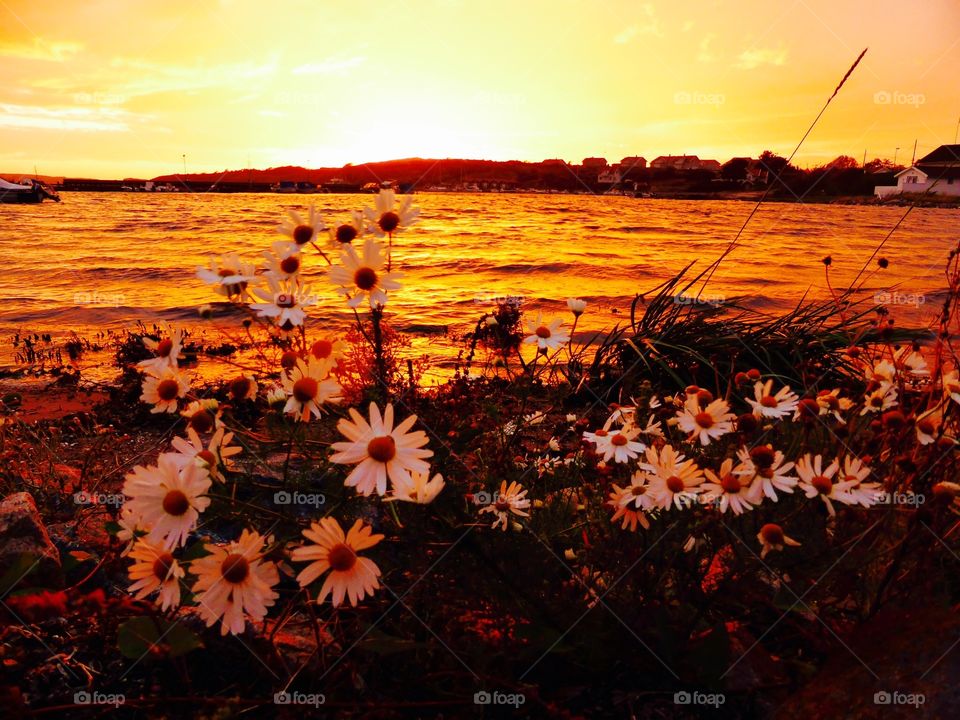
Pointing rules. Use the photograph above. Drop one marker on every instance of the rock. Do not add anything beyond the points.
(25, 547)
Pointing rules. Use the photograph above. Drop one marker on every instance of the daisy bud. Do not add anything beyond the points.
(807, 410)
(577, 306)
(753, 374)
(288, 360)
(827, 261)
(883, 263)
(705, 397)
(854, 352)
(945, 492)
(692, 389)
(748, 423)
(741, 378)
(944, 443)
(894, 419)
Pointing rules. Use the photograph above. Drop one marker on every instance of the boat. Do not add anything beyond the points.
(339, 185)
(285, 186)
(26, 191)
(307, 187)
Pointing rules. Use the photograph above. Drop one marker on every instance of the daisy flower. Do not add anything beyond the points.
(283, 303)
(708, 423)
(350, 575)
(624, 508)
(673, 480)
(726, 489)
(243, 387)
(420, 489)
(883, 398)
(772, 537)
(910, 359)
(309, 387)
(166, 351)
(349, 231)
(229, 275)
(234, 580)
(358, 278)
(167, 498)
(214, 458)
(576, 306)
(767, 476)
(951, 386)
(202, 415)
(131, 528)
(154, 568)
(511, 498)
(928, 425)
(380, 450)
(831, 403)
(329, 350)
(546, 337)
(386, 218)
(619, 445)
(769, 405)
(164, 389)
(815, 480)
(301, 231)
(854, 473)
(883, 373)
(282, 261)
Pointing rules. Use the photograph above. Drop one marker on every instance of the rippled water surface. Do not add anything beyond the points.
(106, 260)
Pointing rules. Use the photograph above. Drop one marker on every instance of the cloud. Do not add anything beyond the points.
(755, 57)
(705, 54)
(330, 66)
(650, 25)
(41, 49)
(90, 119)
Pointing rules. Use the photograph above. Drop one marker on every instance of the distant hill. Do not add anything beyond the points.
(410, 170)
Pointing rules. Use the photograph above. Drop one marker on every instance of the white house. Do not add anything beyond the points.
(937, 173)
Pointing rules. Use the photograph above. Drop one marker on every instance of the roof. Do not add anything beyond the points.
(943, 154)
(933, 172)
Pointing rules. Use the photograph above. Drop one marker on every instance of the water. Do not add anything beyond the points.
(103, 261)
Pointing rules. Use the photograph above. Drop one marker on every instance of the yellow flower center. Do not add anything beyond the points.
(772, 534)
(704, 420)
(619, 440)
(168, 390)
(389, 221)
(322, 349)
(202, 421)
(175, 503)
(675, 484)
(768, 401)
(208, 457)
(240, 387)
(235, 568)
(162, 566)
(290, 264)
(822, 484)
(731, 484)
(346, 233)
(542, 332)
(165, 347)
(302, 234)
(305, 389)
(382, 449)
(341, 557)
(365, 278)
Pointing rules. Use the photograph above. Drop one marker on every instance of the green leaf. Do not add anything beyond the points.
(142, 635)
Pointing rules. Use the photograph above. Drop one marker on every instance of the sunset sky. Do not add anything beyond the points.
(115, 88)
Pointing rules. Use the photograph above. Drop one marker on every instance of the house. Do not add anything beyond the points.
(595, 163)
(685, 162)
(609, 176)
(937, 173)
(633, 161)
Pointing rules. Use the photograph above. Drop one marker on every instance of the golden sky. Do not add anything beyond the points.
(114, 88)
